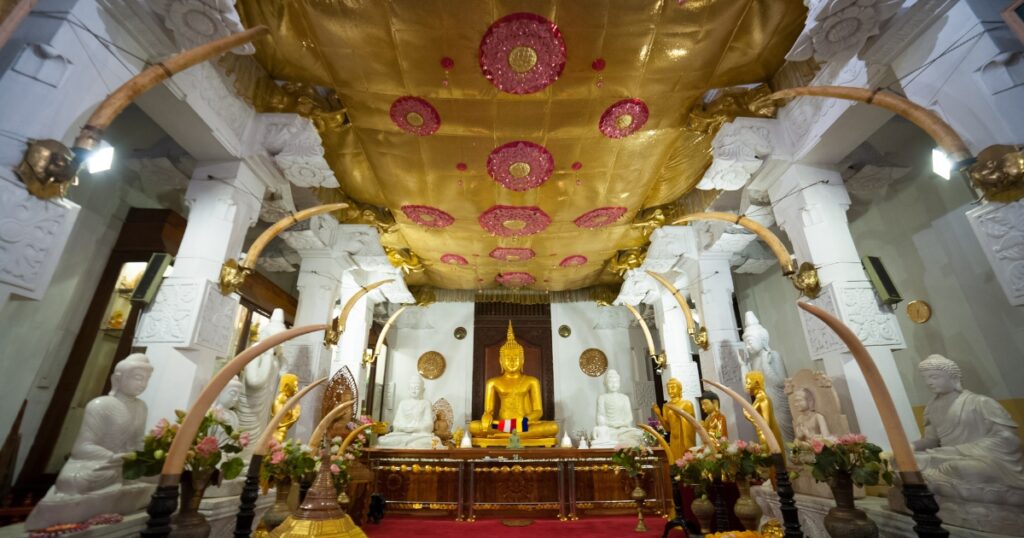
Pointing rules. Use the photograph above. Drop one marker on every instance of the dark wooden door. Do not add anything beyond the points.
(532, 326)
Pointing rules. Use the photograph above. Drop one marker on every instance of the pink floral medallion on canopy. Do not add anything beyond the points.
(522, 53)
(512, 254)
(453, 259)
(424, 215)
(575, 260)
(623, 118)
(600, 217)
(514, 221)
(515, 279)
(415, 115)
(520, 165)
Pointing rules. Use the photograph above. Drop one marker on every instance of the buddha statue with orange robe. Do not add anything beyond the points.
(513, 395)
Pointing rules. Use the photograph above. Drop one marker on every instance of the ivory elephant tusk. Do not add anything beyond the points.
(691, 327)
(766, 235)
(384, 331)
(774, 445)
(704, 435)
(264, 441)
(329, 418)
(337, 327)
(352, 436)
(901, 449)
(644, 328)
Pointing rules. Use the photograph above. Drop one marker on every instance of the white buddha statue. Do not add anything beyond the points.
(759, 357)
(807, 422)
(970, 454)
(615, 425)
(259, 380)
(413, 426)
(225, 408)
(90, 482)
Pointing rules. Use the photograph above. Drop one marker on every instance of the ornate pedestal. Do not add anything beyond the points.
(558, 482)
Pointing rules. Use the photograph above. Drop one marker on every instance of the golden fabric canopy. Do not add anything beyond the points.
(424, 120)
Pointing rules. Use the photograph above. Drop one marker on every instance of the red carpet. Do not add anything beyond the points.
(585, 527)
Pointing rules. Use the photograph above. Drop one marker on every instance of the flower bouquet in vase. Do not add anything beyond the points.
(341, 462)
(628, 459)
(843, 462)
(212, 457)
(741, 463)
(286, 465)
(698, 468)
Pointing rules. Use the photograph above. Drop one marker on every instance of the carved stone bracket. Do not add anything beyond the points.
(1000, 230)
(738, 150)
(33, 233)
(297, 149)
(840, 28)
(857, 305)
(194, 22)
(188, 313)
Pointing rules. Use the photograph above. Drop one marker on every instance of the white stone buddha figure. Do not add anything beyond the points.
(226, 406)
(259, 380)
(970, 454)
(413, 426)
(90, 482)
(807, 422)
(759, 357)
(615, 424)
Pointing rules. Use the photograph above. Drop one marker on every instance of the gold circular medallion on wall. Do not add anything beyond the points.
(919, 311)
(430, 365)
(593, 362)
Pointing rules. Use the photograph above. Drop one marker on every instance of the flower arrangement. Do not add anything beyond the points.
(287, 462)
(628, 459)
(211, 453)
(339, 461)
(698, 467)
(655, 424)
(850, 454)
(734, 461)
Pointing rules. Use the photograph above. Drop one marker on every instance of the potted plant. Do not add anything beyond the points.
(699, 467)
(741, 463)
(843, 462)
(212, 457)
(286, 464)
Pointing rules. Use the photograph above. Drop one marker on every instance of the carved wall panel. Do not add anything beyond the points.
(1000, 230)
(188, 313)
(857, 305)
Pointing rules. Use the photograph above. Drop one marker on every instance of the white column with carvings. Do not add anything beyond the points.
(720, 361)
(190, 323)
(810, 206)
(677, 347)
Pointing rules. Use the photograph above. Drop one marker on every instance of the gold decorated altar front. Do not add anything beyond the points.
(558, 482)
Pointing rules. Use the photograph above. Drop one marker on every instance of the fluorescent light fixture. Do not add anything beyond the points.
(941, 164)
(102, 159)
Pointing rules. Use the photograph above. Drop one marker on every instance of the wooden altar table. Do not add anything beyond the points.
(562, 482)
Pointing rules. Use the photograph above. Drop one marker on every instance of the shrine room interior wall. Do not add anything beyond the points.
(431, 328)
(37, 335)
(917, 226)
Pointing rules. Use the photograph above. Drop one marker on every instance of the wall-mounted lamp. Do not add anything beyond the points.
(941, 164)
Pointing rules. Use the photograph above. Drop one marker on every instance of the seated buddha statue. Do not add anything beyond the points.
(615, 424)
(516, 396)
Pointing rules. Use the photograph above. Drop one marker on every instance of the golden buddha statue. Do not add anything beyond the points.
(715, 422)
(288, 387)
(763, 405)
(519, 396)
(682, 436)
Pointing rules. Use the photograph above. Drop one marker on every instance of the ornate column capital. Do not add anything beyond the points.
(839, 29)
(189, 313)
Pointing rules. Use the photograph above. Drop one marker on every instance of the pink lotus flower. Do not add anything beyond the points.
(335, 469)
(276, 457)
(741, 444)
(244, 439)
(207, 446)
(160, 428)
(817, 446)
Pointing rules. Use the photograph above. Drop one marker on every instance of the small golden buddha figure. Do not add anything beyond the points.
(288, 387)
(518, 396)
(715, 422)
(763, 405)
(682, 435)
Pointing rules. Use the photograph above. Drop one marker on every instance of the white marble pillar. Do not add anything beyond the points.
(810, 206)
(319, 285)
(678, 348)
(354, 341)
(190, 323)
(720, 361)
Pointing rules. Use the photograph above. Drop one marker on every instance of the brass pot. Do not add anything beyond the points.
(746, 510)
(279, 511)
(188, 522)
(845, 519)
(704, 510)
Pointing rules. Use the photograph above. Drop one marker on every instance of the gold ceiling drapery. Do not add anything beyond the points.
(666, 53)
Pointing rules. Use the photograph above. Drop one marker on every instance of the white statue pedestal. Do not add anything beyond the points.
(57, 508)
(813, 510)
(221, 514)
